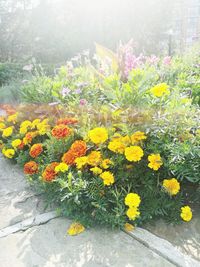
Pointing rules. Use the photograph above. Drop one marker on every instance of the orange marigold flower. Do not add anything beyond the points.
(31, 167)
(35, 150)
(67, 121)
(49, 173)
(79, 148)
(69, 157)
(61, 131)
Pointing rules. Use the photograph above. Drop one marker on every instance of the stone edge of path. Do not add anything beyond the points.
(158, 245)
(28, 223)
(163, 248)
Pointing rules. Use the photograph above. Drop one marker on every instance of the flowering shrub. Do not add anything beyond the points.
(102, 175)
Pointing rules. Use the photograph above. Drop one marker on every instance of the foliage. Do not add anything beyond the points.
(103, 173)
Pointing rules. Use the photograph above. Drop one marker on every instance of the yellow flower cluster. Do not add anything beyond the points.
(98, 135)
(155, 161)
(62, 167)
(137, 137)
(132, 200)
(107, 177)
(12, 118)
(172, 186)
(15, 143)
(186, 213)
(119, 143)
(75, 229)
(160, 89)
(7, 132)
(134, 153)
(8, 153)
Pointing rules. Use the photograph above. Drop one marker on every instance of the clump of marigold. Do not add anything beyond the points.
(98, 135)
(186, 213)
(50, 173)
(31, 167)
(134, 153)
(61, 131)
(155, 161)
(107, 177)
(137, 137)
(172, 186)
(66, 121)
(36, 150)
(77, 149)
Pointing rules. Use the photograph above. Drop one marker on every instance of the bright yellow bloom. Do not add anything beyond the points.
(98, 135)
(138, 136)
(12, 118)
(134, 153)
(186, 213)
(132, 200)
(9, 153)
(128, 227)
(94, 158)
(25, 124)
(35, 123)
(160, 89)
(172, 186)
(62, 167)
(108, 178)
(116, 146)
(155, 161)
(23, 130)
(7, 132)
(15, 143)
(132, 213)
(106, 163)
(75, 229)
(81, 162)
(2, 125)
(96, 170)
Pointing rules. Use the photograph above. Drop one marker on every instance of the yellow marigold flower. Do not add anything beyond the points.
(7, 132)
(96, 170)
(75, 229)
(43, 128)
(94, 158)
(9, 153)
(12, 118)
(138, 136)
(172, 186)
(23, 130)
(186, 213)
(15, 143)
(2, 125)
(126, 140)
(25, 124)
(62, 167)
(132, 213)
(134, 153)
(132, 200)
(155, 161)
(108, 178)
(128, 227)
(106, 163)
(116, 146)
(81, 162)
(160, 89)
(35, 123)
(98, 135)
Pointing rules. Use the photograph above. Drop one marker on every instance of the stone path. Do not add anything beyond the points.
(48, 245)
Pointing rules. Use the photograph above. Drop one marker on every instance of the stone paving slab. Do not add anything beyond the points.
(17, 200)
(185, 237)
(48, 245)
